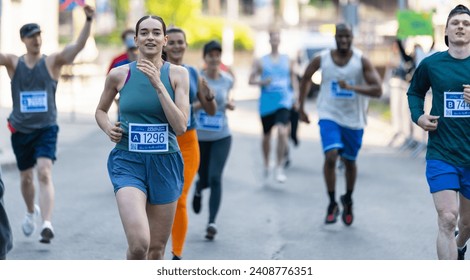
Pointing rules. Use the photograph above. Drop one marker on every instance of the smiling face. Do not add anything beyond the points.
(458, 29)
(150, 37)
(175, 47)
(343, 38)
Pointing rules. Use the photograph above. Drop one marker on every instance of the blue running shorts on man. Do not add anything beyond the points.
(444, 176)
(347, 141)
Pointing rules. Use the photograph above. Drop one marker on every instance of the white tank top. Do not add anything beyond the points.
(346, 108)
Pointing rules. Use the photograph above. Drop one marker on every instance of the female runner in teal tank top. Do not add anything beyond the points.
(146, 166)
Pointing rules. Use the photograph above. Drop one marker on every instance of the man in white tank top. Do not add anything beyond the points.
(348, 80)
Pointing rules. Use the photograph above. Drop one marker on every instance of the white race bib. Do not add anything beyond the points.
(277, 85)
(341, 93)
(211, 123)
(148, 138)
(455, 106)
(33, 101)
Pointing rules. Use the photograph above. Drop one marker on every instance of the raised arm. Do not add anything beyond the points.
(68, 54)
(177, 111)
(206, 97)
(9, 61)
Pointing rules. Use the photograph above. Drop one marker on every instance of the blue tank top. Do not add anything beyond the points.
(279, 93)
(193, 88)
(145, 126)
(33, 94)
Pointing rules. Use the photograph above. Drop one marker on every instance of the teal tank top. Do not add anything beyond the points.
(145, 126)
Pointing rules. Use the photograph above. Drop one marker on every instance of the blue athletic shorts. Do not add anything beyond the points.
(28, 147)
(347, 141)
(159, 176)
(444, 176)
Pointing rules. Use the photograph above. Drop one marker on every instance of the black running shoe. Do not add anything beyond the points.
(332, 213)
(211, 231)
(347, 215)
(461, 253)
(197, 202)
(46, 235)
(176, 258)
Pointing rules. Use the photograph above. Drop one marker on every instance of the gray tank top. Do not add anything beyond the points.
(33, 94)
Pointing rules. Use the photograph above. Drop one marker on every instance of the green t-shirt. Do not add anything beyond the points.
(446, 76)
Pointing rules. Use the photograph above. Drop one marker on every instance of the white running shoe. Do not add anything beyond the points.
(47, 233)
(29, 222)
(280, 176)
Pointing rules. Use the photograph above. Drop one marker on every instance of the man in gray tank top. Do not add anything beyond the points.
(33, 121)
(348, 81)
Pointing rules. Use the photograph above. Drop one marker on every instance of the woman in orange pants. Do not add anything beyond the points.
(188, 142)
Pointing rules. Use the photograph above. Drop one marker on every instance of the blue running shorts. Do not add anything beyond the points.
(159, 176)
(347, 141)
(445, 176)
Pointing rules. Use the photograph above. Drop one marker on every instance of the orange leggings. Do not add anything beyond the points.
(190, 150)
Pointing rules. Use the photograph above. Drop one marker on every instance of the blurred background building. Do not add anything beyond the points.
(241, 25)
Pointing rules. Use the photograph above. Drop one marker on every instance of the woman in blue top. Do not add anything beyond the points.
(198, 91)
(146, 167)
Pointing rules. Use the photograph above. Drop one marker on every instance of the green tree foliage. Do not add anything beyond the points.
(187, 15)
(175, 12)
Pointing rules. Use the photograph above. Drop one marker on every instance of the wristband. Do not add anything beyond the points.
(210, 98)
(88, 18)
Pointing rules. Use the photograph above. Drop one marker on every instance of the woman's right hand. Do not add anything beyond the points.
(115, 132)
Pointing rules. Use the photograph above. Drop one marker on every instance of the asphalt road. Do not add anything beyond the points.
(394, 214)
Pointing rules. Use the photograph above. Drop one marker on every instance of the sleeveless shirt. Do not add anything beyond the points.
(345, 107)
(279, 93)
(33, 94)
(193, 88)
(139, 104)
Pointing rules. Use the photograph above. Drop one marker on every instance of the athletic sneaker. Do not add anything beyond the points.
(332, 213)
(176, 258)
(280, 176)
(347, 215)
(47, 233)
(211, 231)
(29, 222)
(197, 202)
(461, 253)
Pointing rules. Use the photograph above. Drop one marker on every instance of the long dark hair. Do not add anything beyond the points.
(137, 26)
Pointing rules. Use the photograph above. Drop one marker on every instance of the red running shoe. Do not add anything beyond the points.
(347, 215)
(332, 213)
